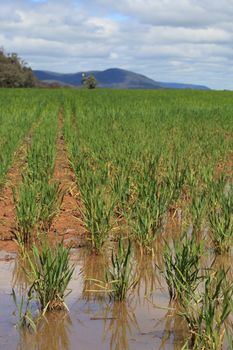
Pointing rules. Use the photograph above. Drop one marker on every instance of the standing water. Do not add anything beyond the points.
(145, 321)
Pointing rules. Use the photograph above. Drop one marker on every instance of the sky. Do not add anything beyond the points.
(186, 41)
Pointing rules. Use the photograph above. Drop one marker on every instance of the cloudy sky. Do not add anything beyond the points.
(168, 40)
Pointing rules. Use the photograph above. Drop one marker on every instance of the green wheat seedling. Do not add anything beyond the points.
(198, 208)
(175, 178)
(41, 159)
(17, 119)
(148, 212)
(221, 219)
(27, 210)
(42, 152)
(207, 313)
(51, 196)
(38, 200)
(144, 226)
(50, 273)
(207, 174)
(97, 215)
(36, 205)
(120, 277)
(121, 189)
(182, 266)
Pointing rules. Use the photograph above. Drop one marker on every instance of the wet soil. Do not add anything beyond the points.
(7, 208)
(13, 179)
(67, 225)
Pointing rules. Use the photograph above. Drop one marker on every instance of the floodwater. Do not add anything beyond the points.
(145, 321)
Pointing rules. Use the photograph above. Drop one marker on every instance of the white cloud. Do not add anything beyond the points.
(113, 56)
(173, 40)
(187, 13)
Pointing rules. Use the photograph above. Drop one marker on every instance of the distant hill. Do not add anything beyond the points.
(112, 78)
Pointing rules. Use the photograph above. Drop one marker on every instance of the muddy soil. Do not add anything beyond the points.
(7, 208)
(67, 225)
(13, 179)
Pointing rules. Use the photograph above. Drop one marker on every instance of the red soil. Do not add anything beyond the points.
(7, 209)
(67, 224)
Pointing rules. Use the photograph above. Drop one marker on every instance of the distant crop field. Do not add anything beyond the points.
(133, 188)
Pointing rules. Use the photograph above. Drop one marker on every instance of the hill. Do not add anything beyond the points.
(112, 78)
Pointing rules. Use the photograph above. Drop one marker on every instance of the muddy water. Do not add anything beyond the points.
(143, 322)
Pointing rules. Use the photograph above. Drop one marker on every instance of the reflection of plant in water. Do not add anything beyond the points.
(147, 277)
(174, 327)
(23, 303)
(52, 333)
(119, 323)
(19, 279)
(119, 278)
(94, 268)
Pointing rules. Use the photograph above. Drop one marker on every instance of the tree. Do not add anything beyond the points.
(14, 72)
(89, 81)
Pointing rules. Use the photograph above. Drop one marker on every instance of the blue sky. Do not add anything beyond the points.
(168, 40)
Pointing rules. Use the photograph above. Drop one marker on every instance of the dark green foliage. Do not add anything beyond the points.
(14, 72)
(50, 274)
(120, 277)
(38, 198)
(89, 81)
(182, 266)
(221, 216)
(207, 313)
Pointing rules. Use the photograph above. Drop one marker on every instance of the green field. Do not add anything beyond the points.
(154, 176)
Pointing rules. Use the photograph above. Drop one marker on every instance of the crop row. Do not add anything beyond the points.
(17, 115)
(144, 160)
(145, 163)
(38, 197)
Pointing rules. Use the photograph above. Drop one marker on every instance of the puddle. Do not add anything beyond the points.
(145, 321)
(94, 322)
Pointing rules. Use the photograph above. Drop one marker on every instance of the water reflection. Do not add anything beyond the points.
(119, 324)
(148, 276)
(174, 328)
(93, 270)
(53, 333)
(19, 279)
(94, 321)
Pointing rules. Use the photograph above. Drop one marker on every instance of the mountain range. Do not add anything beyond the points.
(112, 78)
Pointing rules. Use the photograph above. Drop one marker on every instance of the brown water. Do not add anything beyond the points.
(145, 321)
